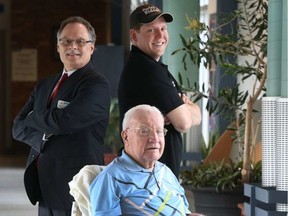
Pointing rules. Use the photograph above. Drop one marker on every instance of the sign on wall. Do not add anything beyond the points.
(24, 65)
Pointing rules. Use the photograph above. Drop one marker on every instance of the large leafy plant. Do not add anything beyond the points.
(246, 40)
(222, 176)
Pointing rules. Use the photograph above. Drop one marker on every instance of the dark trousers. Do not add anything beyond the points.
(43, 210)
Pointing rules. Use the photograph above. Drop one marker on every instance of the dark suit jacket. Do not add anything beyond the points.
(77, 118)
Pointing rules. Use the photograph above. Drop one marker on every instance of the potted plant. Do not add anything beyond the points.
(112, 140)
(212, 47)
(217, 187)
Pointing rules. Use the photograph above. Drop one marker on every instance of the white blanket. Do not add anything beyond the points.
(79, 189)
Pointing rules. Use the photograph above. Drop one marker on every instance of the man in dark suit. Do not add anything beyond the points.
(65, 129)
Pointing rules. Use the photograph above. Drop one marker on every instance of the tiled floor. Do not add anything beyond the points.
(13, 199)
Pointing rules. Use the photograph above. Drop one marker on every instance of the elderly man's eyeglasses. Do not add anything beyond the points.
(78, 42)
(147, 131)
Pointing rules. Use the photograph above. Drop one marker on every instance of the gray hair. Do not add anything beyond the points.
(139, 108)
(77, 19)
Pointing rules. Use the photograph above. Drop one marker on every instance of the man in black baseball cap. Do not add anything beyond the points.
(146, 80)
(146, 14)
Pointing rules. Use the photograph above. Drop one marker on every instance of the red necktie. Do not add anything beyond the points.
(60, 82)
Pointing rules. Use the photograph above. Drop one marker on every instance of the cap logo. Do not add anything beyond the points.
(150, 10)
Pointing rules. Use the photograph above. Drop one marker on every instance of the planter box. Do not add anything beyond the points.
(263, 200)
(209, 202)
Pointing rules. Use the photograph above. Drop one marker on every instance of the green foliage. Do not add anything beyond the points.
(206, 149)
(112, 138)
(247, 39)
(223, 176)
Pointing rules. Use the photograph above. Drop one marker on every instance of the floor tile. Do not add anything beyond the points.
(13, 199)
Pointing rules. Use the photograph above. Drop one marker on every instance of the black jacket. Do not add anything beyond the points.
(77, 119)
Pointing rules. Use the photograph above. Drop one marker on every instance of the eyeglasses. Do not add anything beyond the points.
(78, 42)
(147, 131)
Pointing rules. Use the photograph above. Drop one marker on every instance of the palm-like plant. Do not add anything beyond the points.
(249, 41)
(112, 138)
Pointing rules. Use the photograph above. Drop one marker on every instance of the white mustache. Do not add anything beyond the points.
(72, 52)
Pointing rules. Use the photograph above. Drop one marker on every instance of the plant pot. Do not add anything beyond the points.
(209, 202)
(108, 157)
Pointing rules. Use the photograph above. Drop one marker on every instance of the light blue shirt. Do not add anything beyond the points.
(126, 188)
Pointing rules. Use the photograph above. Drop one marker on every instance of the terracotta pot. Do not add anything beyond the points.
(241, 206)
(108, 157)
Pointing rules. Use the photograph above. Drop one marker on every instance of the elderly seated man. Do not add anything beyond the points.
(136, 183)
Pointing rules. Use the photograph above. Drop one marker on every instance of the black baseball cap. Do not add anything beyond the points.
(147, 13)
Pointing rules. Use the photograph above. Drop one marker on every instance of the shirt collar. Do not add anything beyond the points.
(131, 165)
(68, 72)
(137, 50)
